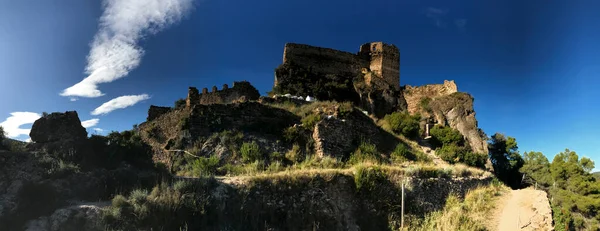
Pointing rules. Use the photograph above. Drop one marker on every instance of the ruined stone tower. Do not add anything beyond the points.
(384, 62)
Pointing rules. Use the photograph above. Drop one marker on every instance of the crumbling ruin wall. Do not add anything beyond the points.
(241, 91)
(156, 111)
(323, 60)
(369, 79)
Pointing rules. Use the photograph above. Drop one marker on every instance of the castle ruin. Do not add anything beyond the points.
(240, 91)
(374, 60)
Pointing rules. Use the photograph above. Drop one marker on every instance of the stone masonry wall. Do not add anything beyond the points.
(323, 60)
(241, 91)
(156, 111)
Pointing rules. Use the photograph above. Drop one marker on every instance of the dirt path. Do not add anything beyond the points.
(525, 209)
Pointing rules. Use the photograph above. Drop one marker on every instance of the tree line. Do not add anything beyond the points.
(574, 192)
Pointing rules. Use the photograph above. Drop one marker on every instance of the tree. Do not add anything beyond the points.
(505, 158)
(445, 136)
(404, 123)
(2, 136)
(537, 167)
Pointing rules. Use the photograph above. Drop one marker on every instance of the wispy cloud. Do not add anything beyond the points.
(119, 103)
(90, 123)
(437, 15)
(12, 125)
(99, 130)
(115, 51)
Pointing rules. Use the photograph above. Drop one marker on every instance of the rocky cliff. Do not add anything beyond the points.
(443, 104)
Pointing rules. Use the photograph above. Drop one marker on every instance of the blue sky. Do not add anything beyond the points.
(532, 66)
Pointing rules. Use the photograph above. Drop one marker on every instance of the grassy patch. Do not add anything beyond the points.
(468, 214)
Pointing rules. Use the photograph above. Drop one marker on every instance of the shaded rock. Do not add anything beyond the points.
(339, 135)
(156, 111)
(72, 218)
(58, 127)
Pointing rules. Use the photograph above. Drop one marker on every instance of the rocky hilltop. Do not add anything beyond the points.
(331, 148)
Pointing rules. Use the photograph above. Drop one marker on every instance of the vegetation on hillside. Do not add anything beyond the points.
(470, 213)
(574, 191)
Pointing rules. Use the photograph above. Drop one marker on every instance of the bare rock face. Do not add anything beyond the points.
(456, 111)
(58, 127)
(443, 104)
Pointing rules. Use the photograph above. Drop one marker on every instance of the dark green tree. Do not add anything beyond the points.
(536, 168)
(404, 123)
(506, 159)
(445, 136)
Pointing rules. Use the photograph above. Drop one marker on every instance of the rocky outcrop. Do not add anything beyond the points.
(58, 127)
(73, 218)
(444, 105)
(456, 110)
(338, 135)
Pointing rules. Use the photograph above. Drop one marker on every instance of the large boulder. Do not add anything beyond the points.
(57, 127)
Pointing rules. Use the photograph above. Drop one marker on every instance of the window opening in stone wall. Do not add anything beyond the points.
(375, 47)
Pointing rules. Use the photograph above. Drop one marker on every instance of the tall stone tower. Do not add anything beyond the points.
(384, 61)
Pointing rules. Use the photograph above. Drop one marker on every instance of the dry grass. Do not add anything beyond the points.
(393, 172)
(469, 214)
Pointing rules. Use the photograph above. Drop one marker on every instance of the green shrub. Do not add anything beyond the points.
(442, 135)
(205, 166)
(562, 219)
(368, 178)
(366, 152)
(454, 154)
(404, 123)
(402, 153)
(251, 152)
(295, 154)
(424, 104)
(311, 120)
(62, 168)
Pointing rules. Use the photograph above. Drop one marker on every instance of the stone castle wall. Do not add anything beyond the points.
(156, 111)
(241, 91)
(323, 60)
(377, 57)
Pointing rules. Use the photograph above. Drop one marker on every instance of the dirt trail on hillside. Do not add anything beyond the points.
(524, 209)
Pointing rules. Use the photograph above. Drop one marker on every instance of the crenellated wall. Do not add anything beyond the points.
(241, 91)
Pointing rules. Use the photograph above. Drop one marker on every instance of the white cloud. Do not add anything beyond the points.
(73, 99)
(119, 103)
(98, 129)
(115, 51)
(90, 123)
(12, 125)
(28, 140)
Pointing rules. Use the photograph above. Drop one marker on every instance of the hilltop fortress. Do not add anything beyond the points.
(374, 60)
(370, 79)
